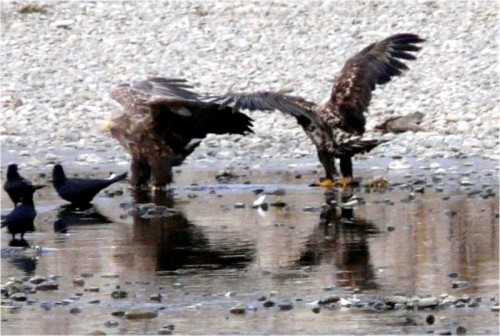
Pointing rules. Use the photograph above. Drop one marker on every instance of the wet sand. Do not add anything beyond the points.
(191, 267)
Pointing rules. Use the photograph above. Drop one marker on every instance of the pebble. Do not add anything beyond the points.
(239, 205)
(62, 23)
(18, 297)
(285, 305)
(268, 303)
(37, 279)
(111, 324)
(137, 314)
(163, 331)
(460, 284)
(75, 310)
(119, 294)
(155, 297)
(329, 299)
(238, 309)
(461, 330)
(429, 302)
(47, 285)
(79, 282)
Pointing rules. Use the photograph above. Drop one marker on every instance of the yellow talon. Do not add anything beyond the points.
(343, 182)
(326, 183)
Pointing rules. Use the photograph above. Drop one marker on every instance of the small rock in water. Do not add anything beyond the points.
(75, 310)
(268, 303)
(495, 308)
(459, 284)
(461, 330)
(430, 319)
(155, 297)
(137, 314)
(163, 331)
(110, 276)
(111, 324)
(119, 294)
(37, 279)
(430, 302)
(78, 282)
(18, 297)
(239, 205)
(239, 309)
(329, 299)
(47, 285)
(286, 305)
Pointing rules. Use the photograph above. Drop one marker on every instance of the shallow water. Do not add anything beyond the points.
(209, 256)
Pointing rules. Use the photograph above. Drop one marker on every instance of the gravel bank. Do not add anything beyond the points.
(58, 67)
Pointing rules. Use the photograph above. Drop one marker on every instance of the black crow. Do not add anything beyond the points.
(79, 191)
(20, 220)
(16, 185)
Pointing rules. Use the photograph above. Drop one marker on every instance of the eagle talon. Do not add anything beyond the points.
(344, 182)
(326, 183)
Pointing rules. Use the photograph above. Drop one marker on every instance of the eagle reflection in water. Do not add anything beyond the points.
(342, 239)
(180, 244)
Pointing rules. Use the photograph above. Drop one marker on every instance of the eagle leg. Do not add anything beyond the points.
(346, 170)
(328, 162)
(141, 173)
(161, 170)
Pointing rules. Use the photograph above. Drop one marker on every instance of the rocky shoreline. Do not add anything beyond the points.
(60, 59)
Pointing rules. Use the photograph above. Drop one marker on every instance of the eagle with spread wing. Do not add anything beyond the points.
(162, 122)
(337, 126)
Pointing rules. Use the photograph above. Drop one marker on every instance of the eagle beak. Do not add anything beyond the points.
(107, 126)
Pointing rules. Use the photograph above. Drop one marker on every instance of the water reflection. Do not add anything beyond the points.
(67, 216)
(341, 240)
(21, 256)
(181, 244)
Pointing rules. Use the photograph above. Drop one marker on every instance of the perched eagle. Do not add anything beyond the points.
(162, 122)
(336, 127)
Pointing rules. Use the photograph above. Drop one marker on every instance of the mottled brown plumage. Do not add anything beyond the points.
(336, 126)
(162, 122)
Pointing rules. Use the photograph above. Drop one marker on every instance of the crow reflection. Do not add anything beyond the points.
(21, 256)
(67, 216)
(182, 244)
(341, 238)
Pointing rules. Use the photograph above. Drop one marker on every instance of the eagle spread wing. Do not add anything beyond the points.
(163, 122)
(336, 127)
(375, 64)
